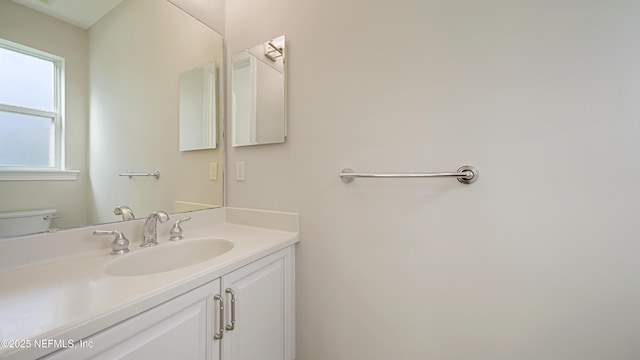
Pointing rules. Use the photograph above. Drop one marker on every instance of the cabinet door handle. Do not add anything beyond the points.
(233, 309)
(219, 335)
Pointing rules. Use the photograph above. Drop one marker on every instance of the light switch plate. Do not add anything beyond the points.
(213, 171)
(240, 171)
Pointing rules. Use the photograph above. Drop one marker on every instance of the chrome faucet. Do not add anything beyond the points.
(125, 211)
(150, 230)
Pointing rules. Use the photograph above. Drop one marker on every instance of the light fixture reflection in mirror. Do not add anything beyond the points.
(198, 109)
(258, 94)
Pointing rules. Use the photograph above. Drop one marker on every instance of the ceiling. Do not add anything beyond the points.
(81, 13)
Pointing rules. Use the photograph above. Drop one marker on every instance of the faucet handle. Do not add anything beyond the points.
(119, 245)
(176, 231)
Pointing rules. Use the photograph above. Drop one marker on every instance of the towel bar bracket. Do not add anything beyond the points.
(469, 179)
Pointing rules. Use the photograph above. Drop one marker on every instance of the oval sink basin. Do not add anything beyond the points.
(167, 257)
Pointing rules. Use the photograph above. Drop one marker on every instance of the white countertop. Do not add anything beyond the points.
(71, 297)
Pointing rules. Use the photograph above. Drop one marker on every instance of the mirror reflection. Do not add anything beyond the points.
(198, 108)
(258, 94)
(122, 109)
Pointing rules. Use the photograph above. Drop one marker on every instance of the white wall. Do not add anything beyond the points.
(538, 259)
(137, 54)
(31, 28)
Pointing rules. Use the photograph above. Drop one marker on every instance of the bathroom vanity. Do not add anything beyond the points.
(237, 304)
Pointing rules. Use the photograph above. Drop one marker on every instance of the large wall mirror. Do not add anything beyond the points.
(123, 74)
(258, 94)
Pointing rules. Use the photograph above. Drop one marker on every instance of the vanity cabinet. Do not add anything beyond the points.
(246, 314)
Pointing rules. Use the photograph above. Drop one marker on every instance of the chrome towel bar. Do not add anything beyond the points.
(155, 174)
(465, 174)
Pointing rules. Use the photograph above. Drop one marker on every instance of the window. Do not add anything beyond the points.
(31, 123)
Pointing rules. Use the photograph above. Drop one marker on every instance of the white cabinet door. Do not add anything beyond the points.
(264, 322)
(181, 328)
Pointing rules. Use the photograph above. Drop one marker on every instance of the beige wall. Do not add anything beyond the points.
(210, 12)
(28, 27)
(538, 259)
(137, 53)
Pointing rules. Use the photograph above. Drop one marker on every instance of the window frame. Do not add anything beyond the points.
(57, 171)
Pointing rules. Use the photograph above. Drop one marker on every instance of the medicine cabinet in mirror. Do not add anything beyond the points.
(258, 94)
(198, 110)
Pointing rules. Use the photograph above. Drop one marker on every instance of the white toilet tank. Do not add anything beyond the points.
(26, 222)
